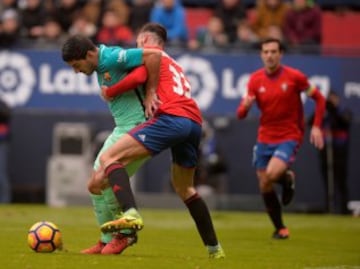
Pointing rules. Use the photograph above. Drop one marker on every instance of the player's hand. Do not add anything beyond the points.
(103, 94)
(316, 137)
(99, 178)
(248, 100)
(151, 103)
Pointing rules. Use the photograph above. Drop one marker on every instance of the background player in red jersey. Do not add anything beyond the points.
(175, 125)
(276, 89)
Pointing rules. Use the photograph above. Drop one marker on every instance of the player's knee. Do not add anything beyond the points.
(263, 186)
(184, 192)
(103, 160)
(271, 176)
(93, 188)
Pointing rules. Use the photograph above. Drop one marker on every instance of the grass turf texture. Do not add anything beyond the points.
(169, 240)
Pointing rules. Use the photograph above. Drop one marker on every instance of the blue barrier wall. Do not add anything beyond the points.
(39, 79)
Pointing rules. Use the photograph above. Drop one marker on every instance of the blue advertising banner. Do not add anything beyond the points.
(39, 79)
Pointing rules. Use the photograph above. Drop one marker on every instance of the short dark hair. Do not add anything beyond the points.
(272, 40)
(76, 48)
(157, 29)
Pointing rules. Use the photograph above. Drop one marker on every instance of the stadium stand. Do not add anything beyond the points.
(197, 18)
(324, 4)
(340, 33)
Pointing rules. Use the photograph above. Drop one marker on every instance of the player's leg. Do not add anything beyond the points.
(286, 152)
(182, 180)
(102, 215)
(106, 207)
(261, 159)
(281, 155)
(271, 201)
(147, 139)
(123, 152)
(104, 204)
(125, 237)
(185, 157)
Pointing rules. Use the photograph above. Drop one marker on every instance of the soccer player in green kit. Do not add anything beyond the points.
(111, 64)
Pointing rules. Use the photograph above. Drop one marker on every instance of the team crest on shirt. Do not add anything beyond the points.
(262, 89)
(284, 87)
(107, 76)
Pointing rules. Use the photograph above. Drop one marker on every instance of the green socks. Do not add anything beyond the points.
(102, 214)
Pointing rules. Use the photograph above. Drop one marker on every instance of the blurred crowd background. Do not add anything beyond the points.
(305, 26)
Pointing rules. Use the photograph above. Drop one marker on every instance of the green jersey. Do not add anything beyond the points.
(126, 109)
(114, 63)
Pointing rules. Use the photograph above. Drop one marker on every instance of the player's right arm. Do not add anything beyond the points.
(128, 59)
(246, 102)
(152, 62)
(131, 81)
(151, 58)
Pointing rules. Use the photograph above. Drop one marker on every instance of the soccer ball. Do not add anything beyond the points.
(44, 236)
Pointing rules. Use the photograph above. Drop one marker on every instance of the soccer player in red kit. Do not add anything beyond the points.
(175, 123)
(276, 89)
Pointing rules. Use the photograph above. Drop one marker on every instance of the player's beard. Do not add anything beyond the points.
(90, 70)
(272, 65)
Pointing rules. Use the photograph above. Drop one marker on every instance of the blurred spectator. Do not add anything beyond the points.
(303, 25)
(83, 26)
(274, 31)
(65, 12)
(270, 14)
(8, 4)
(334, 156)
(213, 36)
(121, 10)
(9, 29)
(92, 12)
(245, 37)
(231, 12)
(33, 16)
(113, 31)
(53, 35)
(5, 190)
(211, 174)
(139, 14)
(171, 14)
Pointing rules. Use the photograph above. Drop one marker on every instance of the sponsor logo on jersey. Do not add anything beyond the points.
(121, 56)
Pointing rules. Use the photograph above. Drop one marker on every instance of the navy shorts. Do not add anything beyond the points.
(262, 153)
(180, 134)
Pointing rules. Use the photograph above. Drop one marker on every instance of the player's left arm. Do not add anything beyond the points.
(316, 136)
(247, 101)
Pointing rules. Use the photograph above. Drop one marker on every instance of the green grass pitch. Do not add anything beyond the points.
(169, 240)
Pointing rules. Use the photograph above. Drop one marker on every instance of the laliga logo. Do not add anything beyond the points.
(17, 78)
(202, 78)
